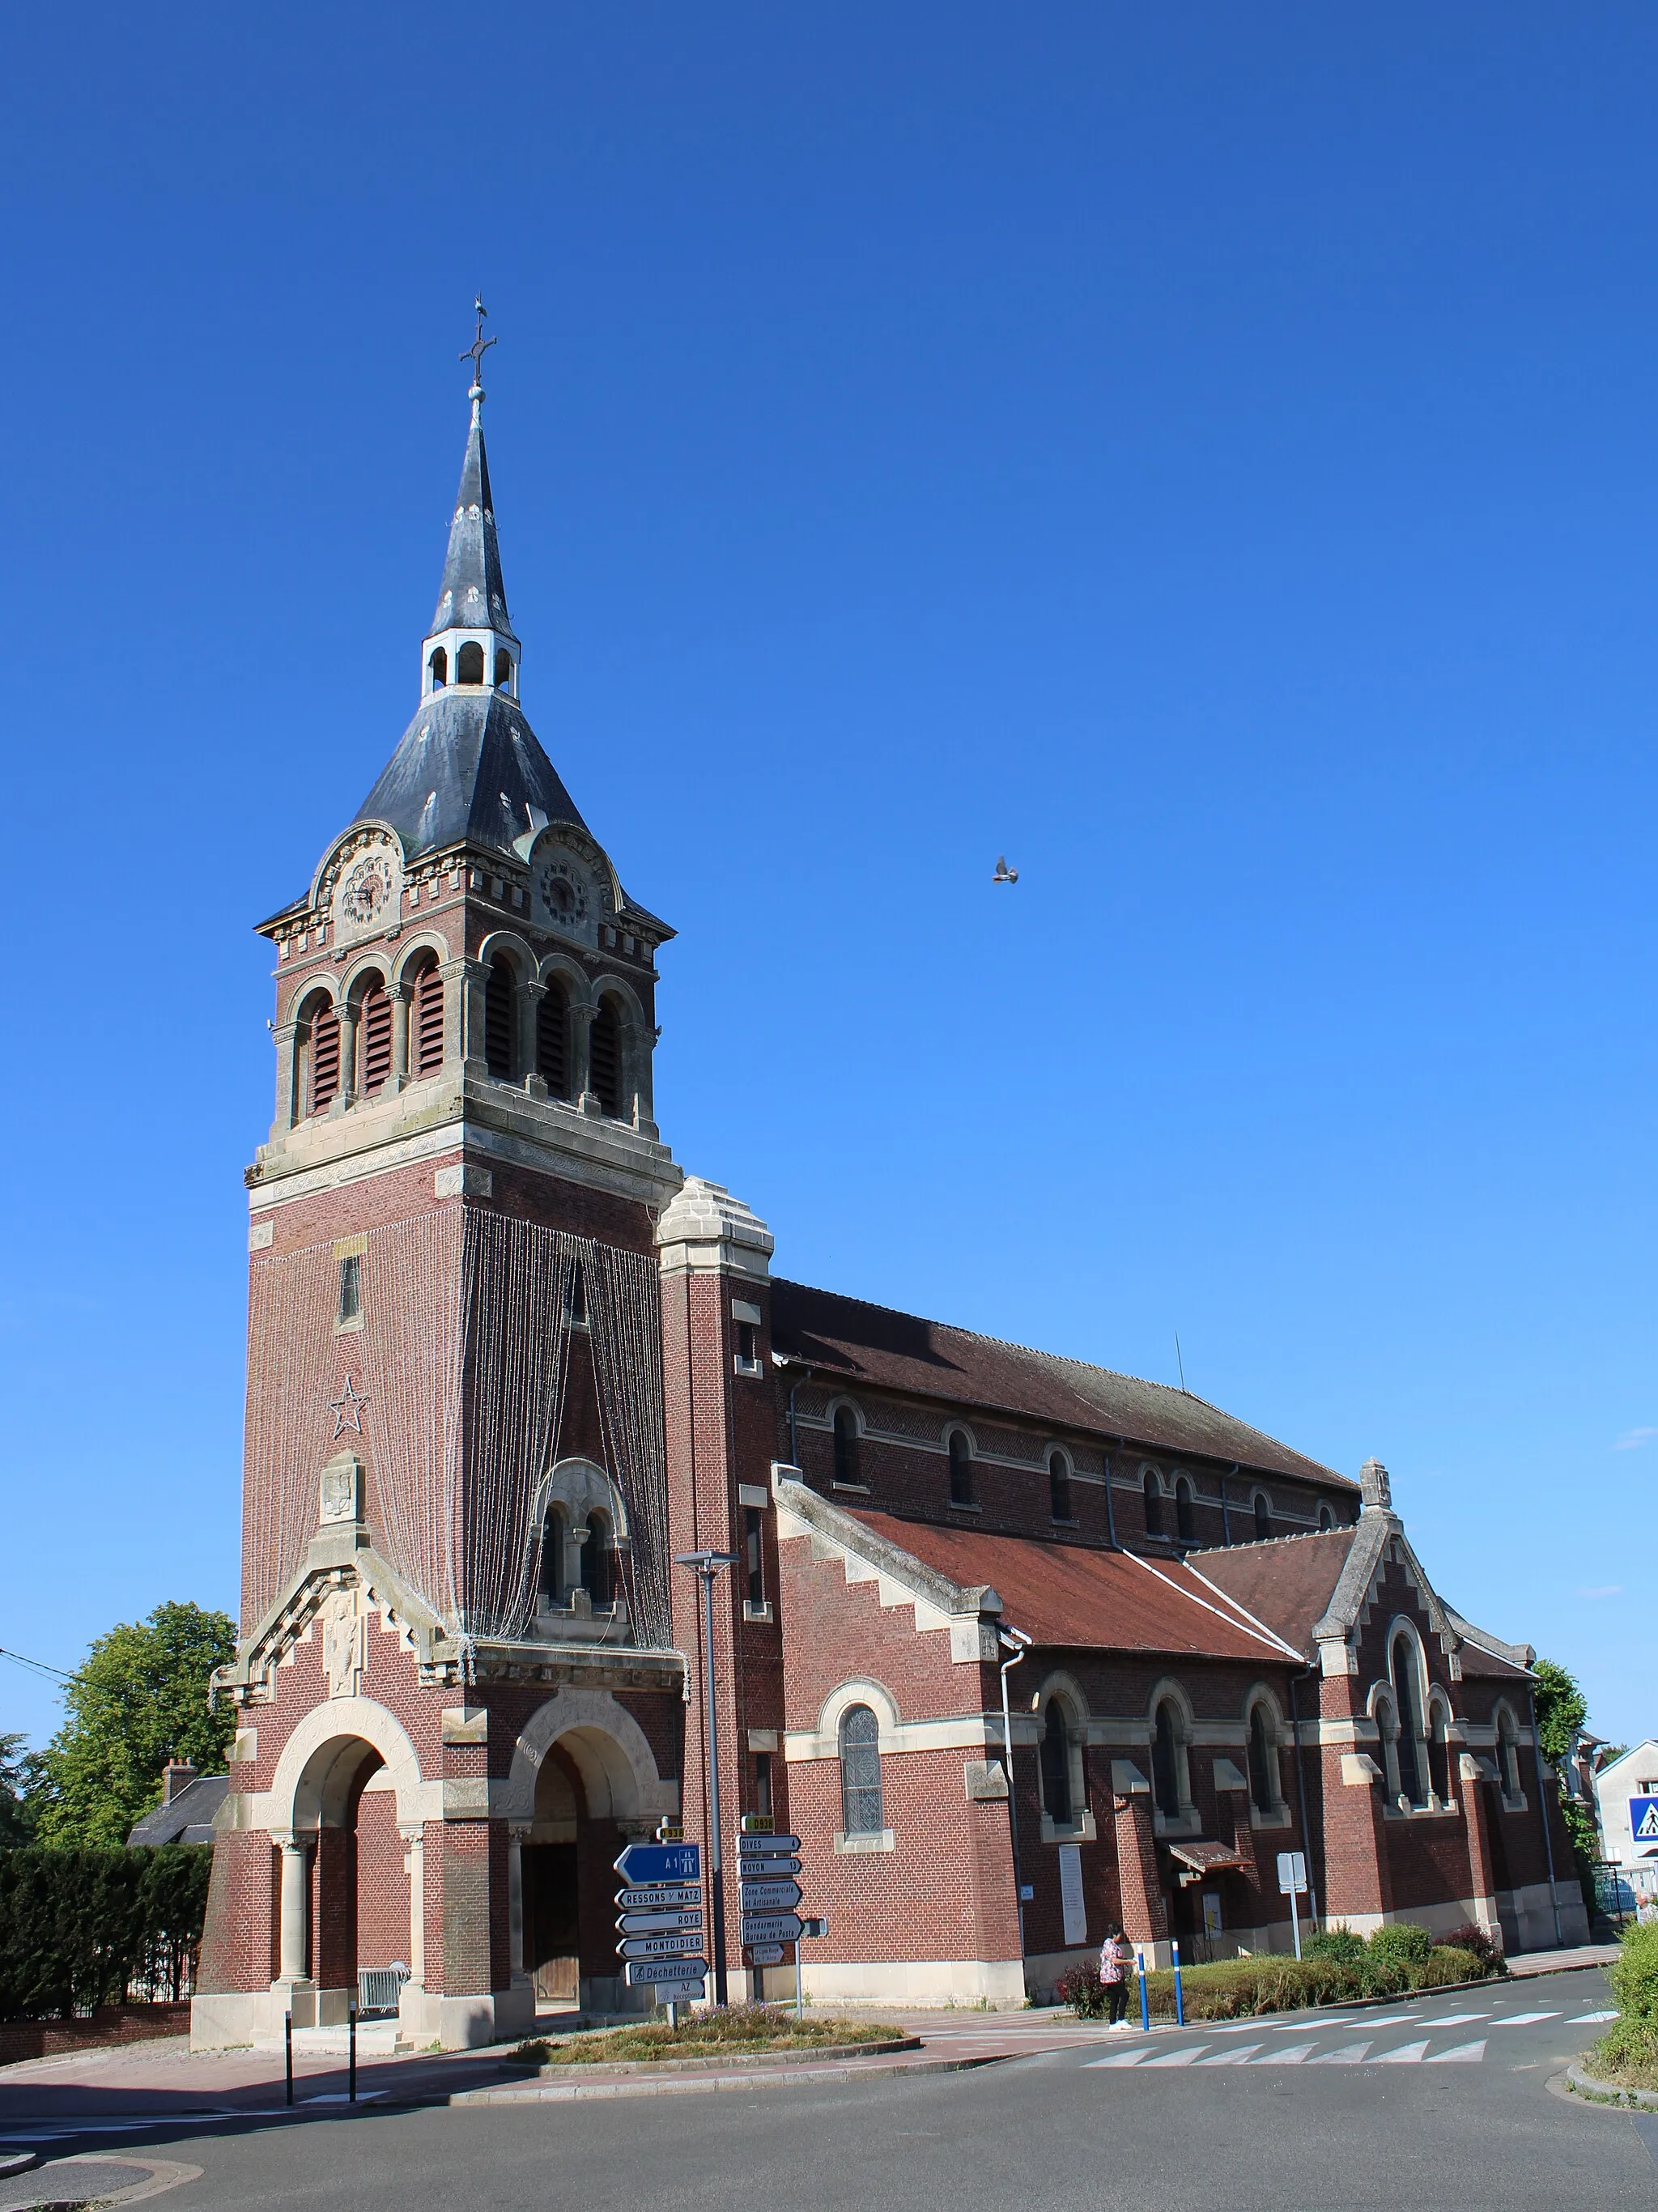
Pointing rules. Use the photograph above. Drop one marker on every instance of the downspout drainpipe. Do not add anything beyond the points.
(797, 1375)
(1296, 1681)
(1543, 1813)
(1226, 1506)
(1110, 1510)
(1013, 1640)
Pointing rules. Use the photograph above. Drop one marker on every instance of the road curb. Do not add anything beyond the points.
(564, 2093)
(652, 2067)
(1595, 2092)
(14, 2162)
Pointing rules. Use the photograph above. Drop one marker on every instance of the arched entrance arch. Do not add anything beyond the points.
(346, 1809)
(583, 1779)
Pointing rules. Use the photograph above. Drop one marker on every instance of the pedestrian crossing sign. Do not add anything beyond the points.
(1643, 1819)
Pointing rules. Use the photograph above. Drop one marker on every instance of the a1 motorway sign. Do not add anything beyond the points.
(652, 1923)
(656, 1863)
(657, 1896)
(684, 1943)
(769, 1896)
(771, 1927)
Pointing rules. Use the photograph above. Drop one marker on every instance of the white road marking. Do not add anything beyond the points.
(1292, 2057)
(1407, 2054)
(1349, 2055)
(1177, 2057)
(1234, 2027)
(1234, 2057)
(1461, 2054)
(1392, 2019)
(1524, 2019)
(1455, 2019)
(1117, 2059)
(1590, 2018)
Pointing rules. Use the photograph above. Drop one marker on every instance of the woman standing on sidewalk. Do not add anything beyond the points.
(1116, 1955)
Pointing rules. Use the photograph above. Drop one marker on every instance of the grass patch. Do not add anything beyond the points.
(1626, 2056)
(738, 2031)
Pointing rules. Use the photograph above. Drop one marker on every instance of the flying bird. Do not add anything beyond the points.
(1004, 874)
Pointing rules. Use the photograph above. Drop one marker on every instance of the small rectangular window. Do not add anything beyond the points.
(350, 1288)
(763, 1784)
(755, 1555)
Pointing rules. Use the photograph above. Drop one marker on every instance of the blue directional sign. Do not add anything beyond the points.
(652, 1863)
(1643, 1819)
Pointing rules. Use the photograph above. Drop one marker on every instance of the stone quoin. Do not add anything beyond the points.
(505, 1361)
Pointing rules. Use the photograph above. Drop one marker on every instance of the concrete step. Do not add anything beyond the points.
(376, 2039)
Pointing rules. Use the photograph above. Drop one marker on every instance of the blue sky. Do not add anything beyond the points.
(1207, 454)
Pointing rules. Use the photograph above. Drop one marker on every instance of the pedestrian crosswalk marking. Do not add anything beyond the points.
(1177, 2057)
(1455, 2019)
(1119, 2058)
(1407, 2054)
(1349, 2055)
(1524, 2019)
(1460, 2054)
(1234, 2055)
(1590, 2018)
(1291, 2057)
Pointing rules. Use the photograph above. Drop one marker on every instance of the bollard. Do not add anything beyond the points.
(1145, 2002)
(351, 2073)
(287, 2046)
(1180, 2002)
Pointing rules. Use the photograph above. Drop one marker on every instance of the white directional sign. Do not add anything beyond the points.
(759, 1870)
(667, 1973)
(661, 1947)
(769, 1896)
(771, 1927)
(657, 1895)
(652, 1923)
(756, 1846)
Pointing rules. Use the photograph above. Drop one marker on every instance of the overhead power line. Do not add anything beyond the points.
(35, 1666)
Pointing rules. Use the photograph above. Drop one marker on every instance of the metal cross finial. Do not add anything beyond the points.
(479, 347)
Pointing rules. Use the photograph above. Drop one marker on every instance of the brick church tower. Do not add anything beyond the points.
(456, 1687)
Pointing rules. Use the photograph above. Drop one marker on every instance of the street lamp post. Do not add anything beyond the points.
(706, 1565)
(1013, 1640)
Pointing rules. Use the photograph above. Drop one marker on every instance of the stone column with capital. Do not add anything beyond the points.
(517, 1837)
(400, 994)
(465, 982)
(288, 1104)
(292, 1949)
(638, 1042)
(581, 1058)
(348, 1090)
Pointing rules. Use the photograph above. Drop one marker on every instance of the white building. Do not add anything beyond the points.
(1627, 1791)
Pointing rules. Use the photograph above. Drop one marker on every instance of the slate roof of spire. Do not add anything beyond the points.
(473, 593)
(469, 766)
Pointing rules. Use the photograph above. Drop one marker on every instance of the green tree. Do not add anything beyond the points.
(1562, 1709)
(20, 1776)
(137, 1699)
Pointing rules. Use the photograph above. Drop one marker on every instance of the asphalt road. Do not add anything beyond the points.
(1446, 2107)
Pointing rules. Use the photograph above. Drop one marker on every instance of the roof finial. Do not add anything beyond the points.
(475, 353)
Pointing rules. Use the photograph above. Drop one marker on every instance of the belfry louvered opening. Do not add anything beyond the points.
(606, 1056)
(374, 1031)
(552, 1033)
(426, 1021)
(498, 1019)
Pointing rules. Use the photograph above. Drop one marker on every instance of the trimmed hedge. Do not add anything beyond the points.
(1628, 2053)
(81, 1929)
(1235, 1988)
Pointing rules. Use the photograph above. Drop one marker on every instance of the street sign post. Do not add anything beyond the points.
(1292, 1883)
(770, 1927)
(685, 1976)
(642, 1863)
(657, 1896)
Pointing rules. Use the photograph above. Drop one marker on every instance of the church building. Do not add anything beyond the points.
(507, 1363)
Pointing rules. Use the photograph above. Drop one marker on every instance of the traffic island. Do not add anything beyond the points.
(736, 2034)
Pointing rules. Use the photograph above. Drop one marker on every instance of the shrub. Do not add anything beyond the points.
(1399, 1943)
(1634, 1977)
(1336, 1943)
(79, 1928)
(1486, 1947)
(1081, 1988)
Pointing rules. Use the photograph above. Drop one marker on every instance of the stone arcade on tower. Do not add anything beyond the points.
(504, 1361)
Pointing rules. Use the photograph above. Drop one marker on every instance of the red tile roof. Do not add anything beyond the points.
(1074, 1595)
(902, 1352)
(1288, 1583)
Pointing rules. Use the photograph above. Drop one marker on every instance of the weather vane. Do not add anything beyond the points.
(476, 351)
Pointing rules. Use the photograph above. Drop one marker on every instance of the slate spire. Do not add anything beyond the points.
(473, 594)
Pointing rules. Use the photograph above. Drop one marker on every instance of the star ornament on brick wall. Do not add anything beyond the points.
(348, 1408)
